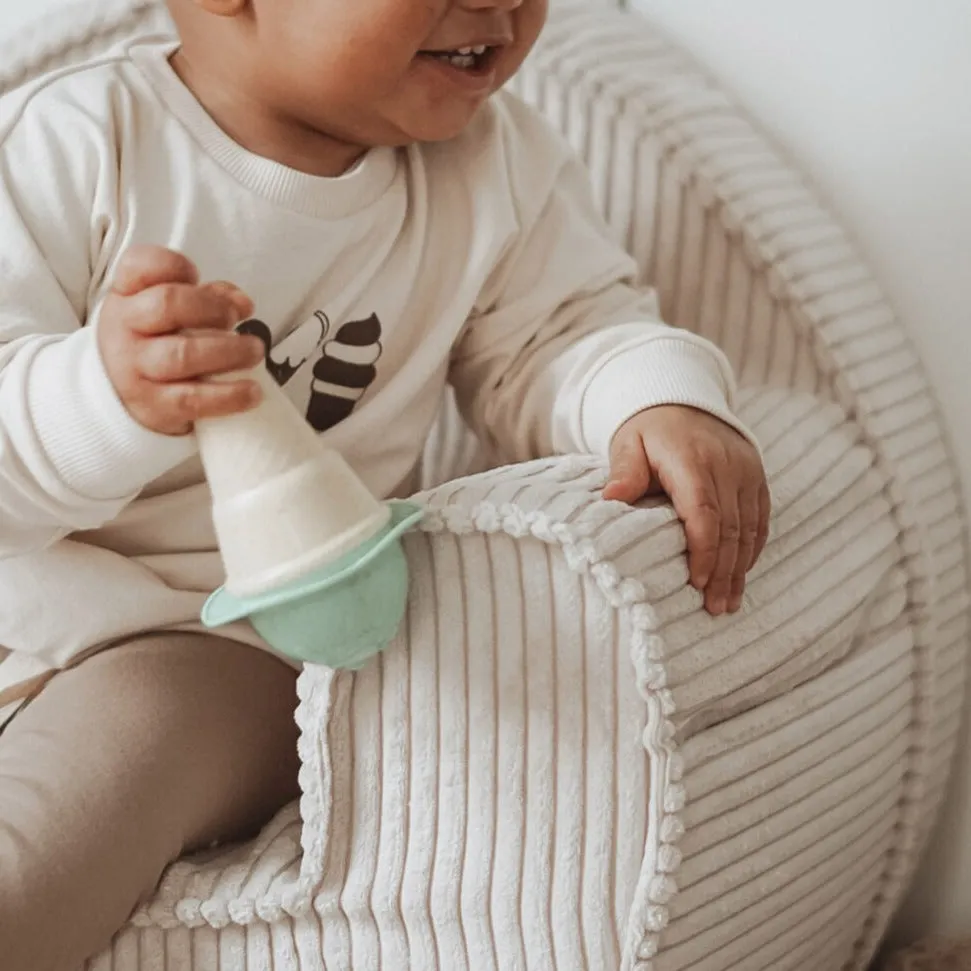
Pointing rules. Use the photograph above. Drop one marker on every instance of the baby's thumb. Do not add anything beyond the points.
(630, 472)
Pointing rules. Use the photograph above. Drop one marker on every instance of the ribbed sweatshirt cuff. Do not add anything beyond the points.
(92, 443)
(661, 371)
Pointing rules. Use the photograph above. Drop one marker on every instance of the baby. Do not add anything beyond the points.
(387, 224)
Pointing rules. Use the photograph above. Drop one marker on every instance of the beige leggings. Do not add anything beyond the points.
(121, 765)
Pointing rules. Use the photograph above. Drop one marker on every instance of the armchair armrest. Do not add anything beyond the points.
(561, 727)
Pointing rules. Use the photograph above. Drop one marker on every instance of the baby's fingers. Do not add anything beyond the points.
(141, 267)
(718, 594)
(172, 409)
(182, 357)
(630, 471)
(748, 539)
(695, 500)
(765, 516)
(171, 307)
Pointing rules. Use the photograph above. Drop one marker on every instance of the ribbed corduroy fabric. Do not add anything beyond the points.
(563, 763)
(560, 740)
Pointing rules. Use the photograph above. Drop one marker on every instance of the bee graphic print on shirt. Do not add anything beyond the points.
(326, 370)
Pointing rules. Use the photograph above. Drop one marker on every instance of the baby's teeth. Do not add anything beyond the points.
(465, 51)
(480, 50)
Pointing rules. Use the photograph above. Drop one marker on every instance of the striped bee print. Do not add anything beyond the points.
(345, 370)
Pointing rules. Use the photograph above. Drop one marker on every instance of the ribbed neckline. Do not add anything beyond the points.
(313, 195)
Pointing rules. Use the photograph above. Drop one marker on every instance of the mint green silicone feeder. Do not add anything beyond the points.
(340, 615)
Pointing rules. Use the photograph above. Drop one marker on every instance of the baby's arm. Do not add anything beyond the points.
(71, 457)
(565, 354)
(562, 348)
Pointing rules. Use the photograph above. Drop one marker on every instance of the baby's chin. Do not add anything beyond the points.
(441, 127)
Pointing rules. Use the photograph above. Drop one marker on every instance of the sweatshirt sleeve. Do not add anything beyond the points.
(562, 347)
(71, 458)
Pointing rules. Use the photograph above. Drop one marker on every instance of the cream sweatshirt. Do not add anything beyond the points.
(481, 262)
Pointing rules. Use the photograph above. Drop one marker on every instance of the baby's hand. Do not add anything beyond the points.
(162, 334)
(716, 482)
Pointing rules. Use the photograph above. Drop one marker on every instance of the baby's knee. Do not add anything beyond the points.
(29, 937)
(74, 860)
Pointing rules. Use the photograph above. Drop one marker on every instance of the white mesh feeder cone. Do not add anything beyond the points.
(311, 557)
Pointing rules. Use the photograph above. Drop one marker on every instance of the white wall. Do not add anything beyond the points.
(15, 13)
(873, 98)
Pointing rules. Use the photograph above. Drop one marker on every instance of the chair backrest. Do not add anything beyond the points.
(742, 251)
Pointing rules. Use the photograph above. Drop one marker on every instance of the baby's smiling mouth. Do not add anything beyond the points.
(476, 58)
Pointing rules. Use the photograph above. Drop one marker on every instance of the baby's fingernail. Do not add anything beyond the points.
(735, 604)
(242, 303)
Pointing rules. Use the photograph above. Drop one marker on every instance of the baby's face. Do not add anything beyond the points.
(389, 72)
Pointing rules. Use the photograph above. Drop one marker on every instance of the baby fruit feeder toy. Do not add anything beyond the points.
(311, 557)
